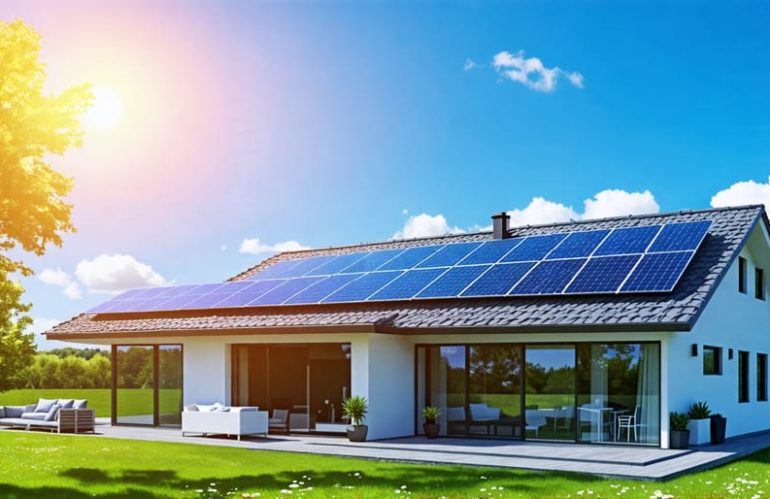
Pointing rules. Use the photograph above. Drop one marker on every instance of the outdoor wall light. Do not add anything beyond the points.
(694, 350)
(730, 353)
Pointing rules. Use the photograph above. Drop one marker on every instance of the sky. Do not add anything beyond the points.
(245, 128)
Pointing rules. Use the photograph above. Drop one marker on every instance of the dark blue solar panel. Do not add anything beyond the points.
(172, 303)
(408, 285)
(533, 248)
(306, 265)
(603, 275)
(549, 277)
(449, 255)
(628, 240)
(249, 294)
(285, 291)
(336, 265)
(453, 282)
(579, 244)
(373, 260)
(321, 289)
(491, 251)
(658, 272)
(409, 258)
(681, 236)
(276, 270)
(498, 280)
(363, 288)
(205, 301)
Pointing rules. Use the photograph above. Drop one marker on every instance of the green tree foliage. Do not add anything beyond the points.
(52, 371)
(86, 353)
(33, 211)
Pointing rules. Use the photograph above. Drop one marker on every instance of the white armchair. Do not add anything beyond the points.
(236, 421)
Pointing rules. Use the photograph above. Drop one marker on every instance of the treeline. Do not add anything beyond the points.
(53, 370)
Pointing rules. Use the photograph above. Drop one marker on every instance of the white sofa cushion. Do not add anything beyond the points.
(39, 416)
(80, 404)
(44, 405)
(66, 403)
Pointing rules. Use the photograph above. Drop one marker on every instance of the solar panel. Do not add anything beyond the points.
(628, 240)
(281, 293)
(491, 251)
(534, 248)
(363, 288)
(658, 272)
(452, 282)
(578, 244)
(247, 295)
(410, 257)
(548, 277)
(373, 261)
(336, 265)
(680, 236)
(636, 259)
(407, 285)
(603, 274)
(498, 280)
(320, 290)
(449, 255)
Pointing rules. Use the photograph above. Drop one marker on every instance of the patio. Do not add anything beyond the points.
(609, 461)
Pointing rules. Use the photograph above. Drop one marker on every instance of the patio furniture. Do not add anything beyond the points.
(280, 420)
(51, 415)
(629, 422)
(563, 417)
(220, 420)
(534, 419)
(484, 415)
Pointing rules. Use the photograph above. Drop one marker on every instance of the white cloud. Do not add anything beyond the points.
(743, 193)
(470, 64)
(255, 247)
(424, 225)
(617, 202)
(541, 211)
(111, 274)
(531, 72)
(60, 278)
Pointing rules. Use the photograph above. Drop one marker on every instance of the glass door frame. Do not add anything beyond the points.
(155, 382)
(523, 346)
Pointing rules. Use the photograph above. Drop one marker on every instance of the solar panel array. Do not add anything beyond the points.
(638, 259)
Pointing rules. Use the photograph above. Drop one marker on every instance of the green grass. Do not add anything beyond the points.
(132, 402)
(49, 465)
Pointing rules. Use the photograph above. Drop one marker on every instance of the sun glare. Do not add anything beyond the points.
(106, 110)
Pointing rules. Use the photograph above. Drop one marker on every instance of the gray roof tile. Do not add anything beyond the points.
(676, 311)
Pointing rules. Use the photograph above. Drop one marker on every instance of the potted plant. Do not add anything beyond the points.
(354, 409)
(718, 427)
(700, 423)
(679, 435)
(430, 414)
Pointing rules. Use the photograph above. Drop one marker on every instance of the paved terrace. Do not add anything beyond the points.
(637, 463)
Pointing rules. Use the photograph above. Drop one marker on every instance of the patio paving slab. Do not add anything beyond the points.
(637, 463)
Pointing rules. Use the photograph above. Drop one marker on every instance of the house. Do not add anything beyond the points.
(589, 331)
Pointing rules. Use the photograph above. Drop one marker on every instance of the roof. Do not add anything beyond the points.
(675, 311)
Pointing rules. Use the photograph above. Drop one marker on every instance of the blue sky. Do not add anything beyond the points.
(331, 123)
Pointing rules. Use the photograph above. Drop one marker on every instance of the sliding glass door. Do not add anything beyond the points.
(549, 412)
(147, 385)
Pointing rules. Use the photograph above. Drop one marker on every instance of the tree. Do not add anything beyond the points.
(33, 211)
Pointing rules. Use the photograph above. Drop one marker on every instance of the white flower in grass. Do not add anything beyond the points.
(403, 487)
(285, 491)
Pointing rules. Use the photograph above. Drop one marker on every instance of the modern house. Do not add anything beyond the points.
(588, 331)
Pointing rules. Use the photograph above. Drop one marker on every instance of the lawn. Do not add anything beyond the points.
(49, 465)
(131, 402)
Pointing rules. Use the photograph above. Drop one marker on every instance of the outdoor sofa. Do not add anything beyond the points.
(217, 419)
(62, 415)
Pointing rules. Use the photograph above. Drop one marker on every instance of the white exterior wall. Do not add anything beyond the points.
(730, 320)
(391, 386)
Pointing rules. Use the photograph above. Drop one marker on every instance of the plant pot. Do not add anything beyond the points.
(357, 433)
(718, 427)
(431, 429)
(679, 439)
(700, 431)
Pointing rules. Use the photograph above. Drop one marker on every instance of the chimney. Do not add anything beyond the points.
(500, 225)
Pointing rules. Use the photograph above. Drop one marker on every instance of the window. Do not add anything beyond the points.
(743, 376)
(759, 284)
(762, 377)
(712, 360)
(741, 274)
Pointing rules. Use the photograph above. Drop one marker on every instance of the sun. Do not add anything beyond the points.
(106, 109)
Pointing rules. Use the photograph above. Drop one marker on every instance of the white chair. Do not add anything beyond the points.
(280, 420)
(629, 422)
(534, 420)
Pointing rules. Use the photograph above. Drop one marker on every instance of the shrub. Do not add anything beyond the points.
(678, 421)
(699, 410)
(431, 414)
(355, 409)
